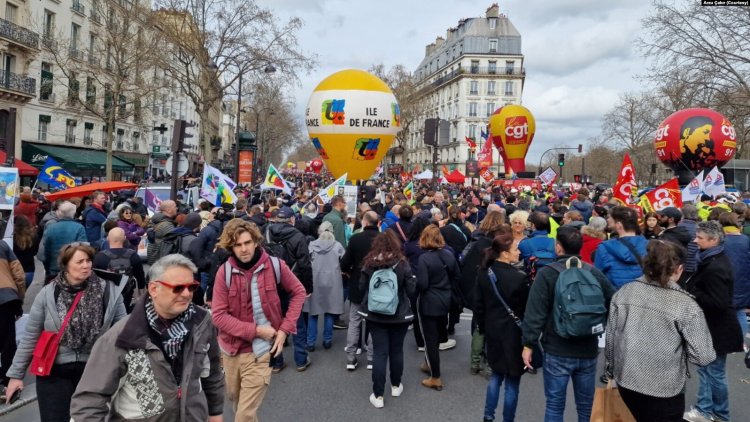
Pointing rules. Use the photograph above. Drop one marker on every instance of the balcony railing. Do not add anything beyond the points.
(48, 98)
(70, 139)
(78, 8)
(88, 140)
(49, 42)
(18, 83)
(18, 34)
(95, 18)
(75, 53)
(477, 70)
(93, 60)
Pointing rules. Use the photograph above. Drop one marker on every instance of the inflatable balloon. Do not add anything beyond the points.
(316, 165)
(695, 139)
(308, 166)
(512, 129)
(352, 118)
(291, 165)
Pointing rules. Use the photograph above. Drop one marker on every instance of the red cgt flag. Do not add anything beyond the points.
(626, 183)
(666, 195)
(471, 142)
(484, 157)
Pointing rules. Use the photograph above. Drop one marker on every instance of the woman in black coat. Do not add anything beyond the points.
(501, 333)
(437, 277)
(712, 285)
(387, 331)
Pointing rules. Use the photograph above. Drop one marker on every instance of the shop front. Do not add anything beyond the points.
(86, 164)
(139, 161)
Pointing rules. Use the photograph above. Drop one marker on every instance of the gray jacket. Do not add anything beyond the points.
(44, 316)
(328, 288)
(652, 334)
(128, 377)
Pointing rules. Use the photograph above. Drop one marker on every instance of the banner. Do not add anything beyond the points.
(405, 177)
(409, 192)
(217, 188)
(694, 189)
(626, 186)
(246, 167)
(56, 176)
(486, 174)
(472, 144)
(274, 180)
(329, 191)
(666, 195)
(713, 184)
(484, 156)
(8, 194)
(444, 169)
(548, 176)
(152, 201)
(350, 196)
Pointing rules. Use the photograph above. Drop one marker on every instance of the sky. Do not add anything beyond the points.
(579, 54)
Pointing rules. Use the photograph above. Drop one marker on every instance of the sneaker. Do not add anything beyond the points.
(448, 344)
(277, 369)
(377, 401)
(420, 349)
(340, 324)
(310, 348)
(357, 352)
(396, 391)
(327, 345)
(351, 364)
(369, 365)
(304, 366)
(695, 415)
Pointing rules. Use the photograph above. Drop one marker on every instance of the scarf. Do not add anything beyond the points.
(708, 253)
(731, 230)
(87, 319)
(172, 334)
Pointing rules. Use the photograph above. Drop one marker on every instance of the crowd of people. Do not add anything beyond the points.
(545, 274)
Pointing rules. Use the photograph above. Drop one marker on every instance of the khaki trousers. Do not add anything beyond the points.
(247, 382)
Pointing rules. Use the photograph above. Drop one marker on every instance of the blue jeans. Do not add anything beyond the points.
(713, 393)
(742, 318)
(511, 396)
(299, 340)
(312, 329)
(30, 278)
(557, 371)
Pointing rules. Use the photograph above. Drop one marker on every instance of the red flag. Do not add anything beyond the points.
(484, 157)
(486, 174)
(666, 195)
(444, 169)
(626, 183)
(471, 142)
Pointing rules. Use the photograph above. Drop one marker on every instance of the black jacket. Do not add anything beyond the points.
(472, 260)
(502, 335)
(298, 254)
(713, 285)
(538, 317)
(437, 277)
(259, 220)
(678, 234)
(407, 286)
(351, 263)
(203, 245)
(456, 236)
(405, 227)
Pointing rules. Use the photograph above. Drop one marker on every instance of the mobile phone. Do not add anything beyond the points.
(16, 395)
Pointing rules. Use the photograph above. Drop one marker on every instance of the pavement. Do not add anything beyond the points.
(327, 392)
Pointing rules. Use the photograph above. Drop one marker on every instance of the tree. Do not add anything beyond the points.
(215, 41)
(118, 71)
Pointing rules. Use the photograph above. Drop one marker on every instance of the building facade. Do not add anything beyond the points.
(463, 78)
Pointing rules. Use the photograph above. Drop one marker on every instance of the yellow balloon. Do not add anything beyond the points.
(352, 118)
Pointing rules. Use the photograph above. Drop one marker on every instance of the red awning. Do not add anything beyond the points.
(455, 177)
(23, 168)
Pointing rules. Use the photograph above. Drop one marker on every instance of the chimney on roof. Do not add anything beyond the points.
(493, 11)
(439, 41)
(429, 49)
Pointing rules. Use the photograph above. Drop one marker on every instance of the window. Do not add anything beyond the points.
(493, 23)
(137, 110)
(48, 28)
(491, 87)
(120, 138)
(164, 110)
(43, 126)
(70, 131)
(474, 88)
(472, 107)
(134, 138)
(492, 67)
(490, 109)
(509, 65)
(73, 89)
(154, 106)
(171, 107)
(75, 32)
(88, 131)
(92, 48)
(122, 103)
(493, 46)
(154, 134)
(11, 11)
(107, 98)
(508, 88)
(475, 66)
(90, 92)
(472, 131)
(45, 88)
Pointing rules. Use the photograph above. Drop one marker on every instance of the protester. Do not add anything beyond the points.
(246, 310)
(94, 216)
(27, 207)
(737, 249)
(161, 224)
(650, 228)
(519, 223)
(12, 293)
(388, 330)
(119, 258)
(64, 232)
(133, 231)
(327, 298)
(25, 246)
(163, 363)
(620, 258)
(98, 306)
(593, 235)
(509, 287)
(669, 218)
(650, 375)
(337, 218)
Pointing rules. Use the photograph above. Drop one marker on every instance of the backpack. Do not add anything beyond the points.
(538, 261)
(382, 297)
(274, 262)
(579, 308)
(120, 264)
(277, 250)
(170, 244)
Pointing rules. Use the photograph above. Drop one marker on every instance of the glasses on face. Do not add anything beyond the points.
(179, 288)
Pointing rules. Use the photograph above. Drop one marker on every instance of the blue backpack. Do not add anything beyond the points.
(579, 308)
(382, 296)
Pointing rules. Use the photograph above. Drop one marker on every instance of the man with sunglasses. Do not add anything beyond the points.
(162, 363)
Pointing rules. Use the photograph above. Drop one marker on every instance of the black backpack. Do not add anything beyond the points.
(277, 250)
(170, 244)
(120, 264)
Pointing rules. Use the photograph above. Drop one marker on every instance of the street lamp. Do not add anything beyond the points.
(267, 70)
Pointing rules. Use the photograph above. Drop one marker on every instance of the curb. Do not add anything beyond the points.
(28, 395)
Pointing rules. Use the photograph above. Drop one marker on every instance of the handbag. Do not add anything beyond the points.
(46, 347)
(609, 407)
(537, 357)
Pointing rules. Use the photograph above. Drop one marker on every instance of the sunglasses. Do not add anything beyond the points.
(179, 288)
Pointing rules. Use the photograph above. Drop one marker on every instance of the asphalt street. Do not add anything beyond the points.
(328, 392)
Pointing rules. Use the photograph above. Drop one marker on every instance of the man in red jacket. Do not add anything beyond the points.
(246, 309)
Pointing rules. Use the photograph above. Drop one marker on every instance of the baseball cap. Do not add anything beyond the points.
(285, 212)
(670, 212)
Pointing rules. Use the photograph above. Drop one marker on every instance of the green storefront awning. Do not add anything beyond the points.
(138, 160)
(71, 159)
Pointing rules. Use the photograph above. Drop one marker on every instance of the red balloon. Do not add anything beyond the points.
(316, 165)
(695, 139)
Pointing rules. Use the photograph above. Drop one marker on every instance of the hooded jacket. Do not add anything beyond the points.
(12, 277)
(585, 208)
(298, 254)
(737, 248)
(351, 263)
(56, 236)
(328, 293)
(539, 244)
(203, 245)
(691, 262)
(678, 234)
(617, 262)
(93, 218)
(407, 286)
(437, 278)
(128, 377)
(389, 220)
(161, 225)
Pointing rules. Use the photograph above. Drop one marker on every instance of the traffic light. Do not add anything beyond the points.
(179, 135)
(561, 160)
